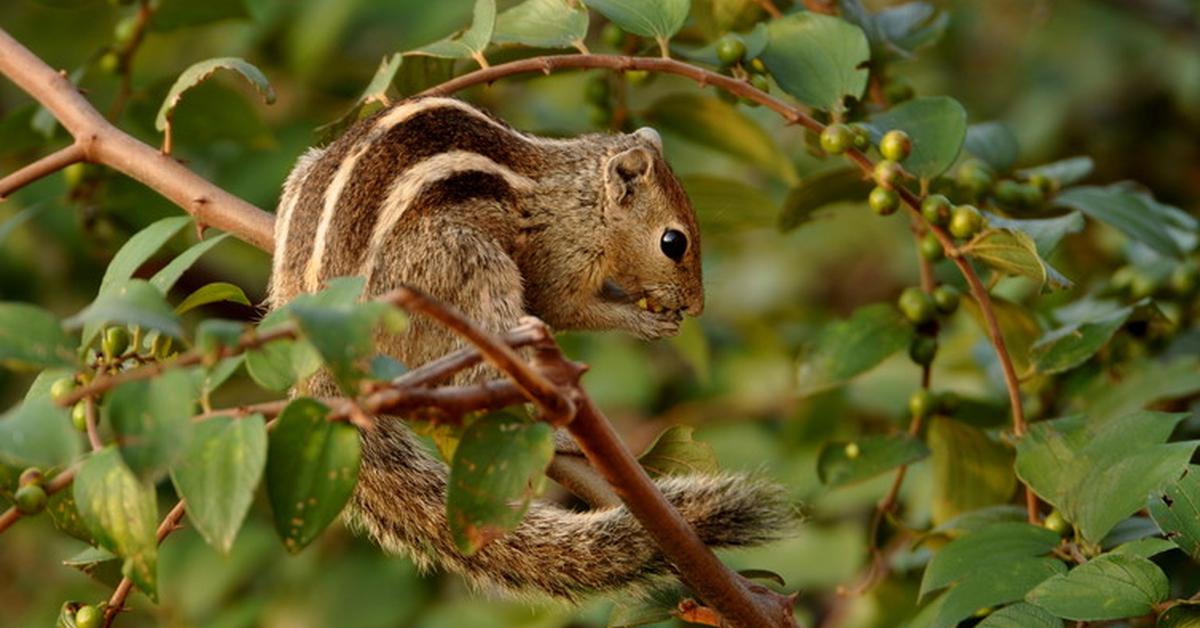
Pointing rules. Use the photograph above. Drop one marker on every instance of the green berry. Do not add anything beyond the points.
(895, 145)
(123, 31)
(1144, 285)
(936, 209)
(946, 298)
(116, 341)
(30, 499)
(73, 174)
(109, 63)
(61, 388)
(88, 616)
(1183, 279)
(79, 416)
(757, 65)
(888, 173)
(931, 248)
(883, 201)
(862, 137)
(922, 403)
(1122, 279)
(852, 450)
(597, 91)
(975, 177)
(916, 305)
(760, 82)
(637, 77)
(730, 49)
(965, 222)
(1056, 523)
(32, 475)
(1008, 192)
(922, 350)
(1030, 196)
(1044, 184)
(836, 138)
(612, 35)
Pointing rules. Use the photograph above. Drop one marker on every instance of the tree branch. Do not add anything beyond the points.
(41, 168)
(116, 603)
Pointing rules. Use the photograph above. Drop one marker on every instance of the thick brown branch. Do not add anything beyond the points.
(43, 167)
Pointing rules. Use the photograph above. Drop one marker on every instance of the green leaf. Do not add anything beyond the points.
(817, 58)
(212, 293)
(312, 467)
(974, 520)
(1144, 383)
(1065, 348)
(720, 126)
(344, 336)
(1147, 547)
(133, 303)
(1013, 253)
(755, 41)
(907, 27)
(993, 545)
(970, 470)
(497, 470)
(542, 24)
(995, 143)
(726, 207)
(1184, 614)
(847, 348)
(1065, 172)
(100, 564)
(152, 420)
(1017, 324)
(166, 278)
(64, 514)
(199, 72)
(38, 433)
(472, 41)
(1001, 583)
(1021, 615)
(122, 515)
(1098, 473)
(31, 337)
(1176, 510)
(658, 20)
(842, 463)
(218, 473)
(1045, 232)
(1132, 212)
(173, 14)
(675, 452)
(279, 364)
(1111, 586)
(937, 126)
(821, 189)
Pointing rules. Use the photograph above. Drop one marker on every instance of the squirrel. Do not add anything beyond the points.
(592, 233)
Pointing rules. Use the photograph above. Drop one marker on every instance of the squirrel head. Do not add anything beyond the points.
(653, 238)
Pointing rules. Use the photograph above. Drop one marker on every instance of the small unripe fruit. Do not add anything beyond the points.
(1030, 196)
(760, 82)
(730, 49)
(883, 201)
(597, 90)
(123, 31)
(922, 403)
(862, 137)
(1123, 278)
(888, 173)
(637, 77)
(931, 248)
(1008, 192)
(852, 451)
(116, 341)
(61, 388)
(1144, 285)
(895, 145)
(757, 65)
(965, 222)
(836, 138)
(975, 177)
(88, 616)
(1044, 184)
(30, 499)
(73, 174)
(109, 62)
(79, 416)
(916, 305)
(922, 350)
(936, 209)
(946, 298)
(1056, 523)
(1183, 280)
(612, 35)
(32, 475)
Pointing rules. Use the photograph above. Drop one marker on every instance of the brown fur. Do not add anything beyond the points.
(508, 225)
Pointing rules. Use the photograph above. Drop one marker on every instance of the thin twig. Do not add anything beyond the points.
(93, 433)
(116, 603)
(125, 57)
(43, 167)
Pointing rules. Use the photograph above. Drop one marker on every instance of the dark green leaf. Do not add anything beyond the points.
(497, 469)
(937, 126)
(215, 334)
(675, 452)
(166, 278)
(821, 189)
(1067, 347)
(995, 143)
(1112, 586)
(132, 303)
(31, 337)
(720, 126)
(659, 20)
(218, 473)
(1184, 614)
(970, 470)
(978, 519)
(847, 348)
(817, 58)
(909, 26)
(472, 41)
(64, 514)
(1001, 583)
(543, 24)
(1147, 547)
(1065, 172)
(1021, 615)
(312, 467)
(995, 544)
(121, 513)
(419, 72)
(38, 433)
(201, 71)
(344, 336)
(1132, 212)
(846, 463)
(1098, 473)
(212, 293)
(1143, 384)
(726, 207)
(1046, 232)
(152, 420)
(279, 364)
(173, 14)
(100, 564)
(1176, 510)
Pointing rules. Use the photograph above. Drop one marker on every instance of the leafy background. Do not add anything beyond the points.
(1085, 77)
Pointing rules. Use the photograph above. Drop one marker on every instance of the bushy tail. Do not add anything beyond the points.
(401, 501)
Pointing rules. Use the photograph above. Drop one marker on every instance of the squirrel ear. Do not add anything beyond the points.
(650, 135)
(625, 171)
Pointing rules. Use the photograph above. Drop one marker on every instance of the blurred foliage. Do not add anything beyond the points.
(1115, 80)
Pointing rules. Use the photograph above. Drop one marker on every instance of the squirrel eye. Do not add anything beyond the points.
(674, 244)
